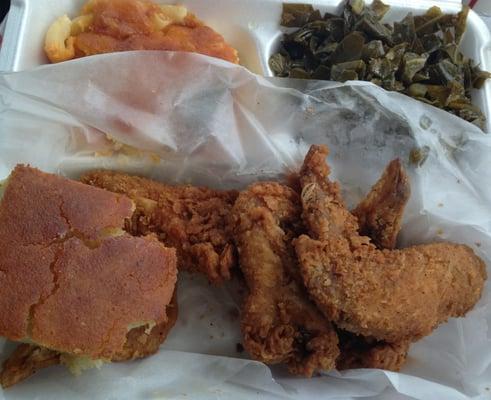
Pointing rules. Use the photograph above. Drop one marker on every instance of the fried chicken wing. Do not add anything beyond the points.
(191, 219)
(25, 361)
(279, 323)
(391, 295)
(380, 212)
(361, 352)
(379, 215)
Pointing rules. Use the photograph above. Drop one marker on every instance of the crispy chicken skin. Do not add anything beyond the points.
(389, 194)
(391, 295)
(25, 361)
(279, 323)
(191, 219)
(107, 26)
(380, 212)
(379, 215)
(71, 279)
(361, 352)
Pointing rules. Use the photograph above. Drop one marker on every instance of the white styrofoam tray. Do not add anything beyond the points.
(251, 26)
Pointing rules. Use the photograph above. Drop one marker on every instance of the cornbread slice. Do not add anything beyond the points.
(71, 279)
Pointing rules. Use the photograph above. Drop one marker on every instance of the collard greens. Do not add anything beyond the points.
(418, 56)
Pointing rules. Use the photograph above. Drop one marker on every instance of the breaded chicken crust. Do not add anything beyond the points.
(380, 213)
(391, 295)
(193, 220)
(25, 361)
(279, 323)
(361, 352)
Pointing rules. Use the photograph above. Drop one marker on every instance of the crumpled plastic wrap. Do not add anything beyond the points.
(188, 118)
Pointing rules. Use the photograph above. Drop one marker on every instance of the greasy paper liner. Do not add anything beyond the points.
(189, 118)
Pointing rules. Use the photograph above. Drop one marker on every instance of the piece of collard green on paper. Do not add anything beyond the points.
(419, 56)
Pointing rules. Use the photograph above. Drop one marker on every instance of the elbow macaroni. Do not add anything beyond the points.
(59, 45)
(60, 39)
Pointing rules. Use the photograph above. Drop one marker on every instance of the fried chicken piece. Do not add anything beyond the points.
(27, 359)
(107, 26)
(380, 212)
(191, 219)
(379, 215)
(279, 323)
(391, 295)
(361, 352)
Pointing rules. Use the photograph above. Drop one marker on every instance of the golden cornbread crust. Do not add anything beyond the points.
(66, 282)
(141, 342)
(38, 208)
(101, 292)
(25, 279)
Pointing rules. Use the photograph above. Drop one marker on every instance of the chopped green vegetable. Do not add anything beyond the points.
(379, 9)
(431, 42)
(357, 6)
(461, 24)
(299, 73)
(418, 56)
(412, 63)
(296, 15)
(438, 94)
(380, 68)
(479, 77)
(405, 31)
(322, 73)
(348, 71)
(373, 28)
(395, 55)
(373, 49)
(418, 156)
(417, 90)
(445, 71)
(350, 48)
(279, 64)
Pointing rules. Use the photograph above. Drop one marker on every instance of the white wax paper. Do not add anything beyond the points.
(199, 120)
